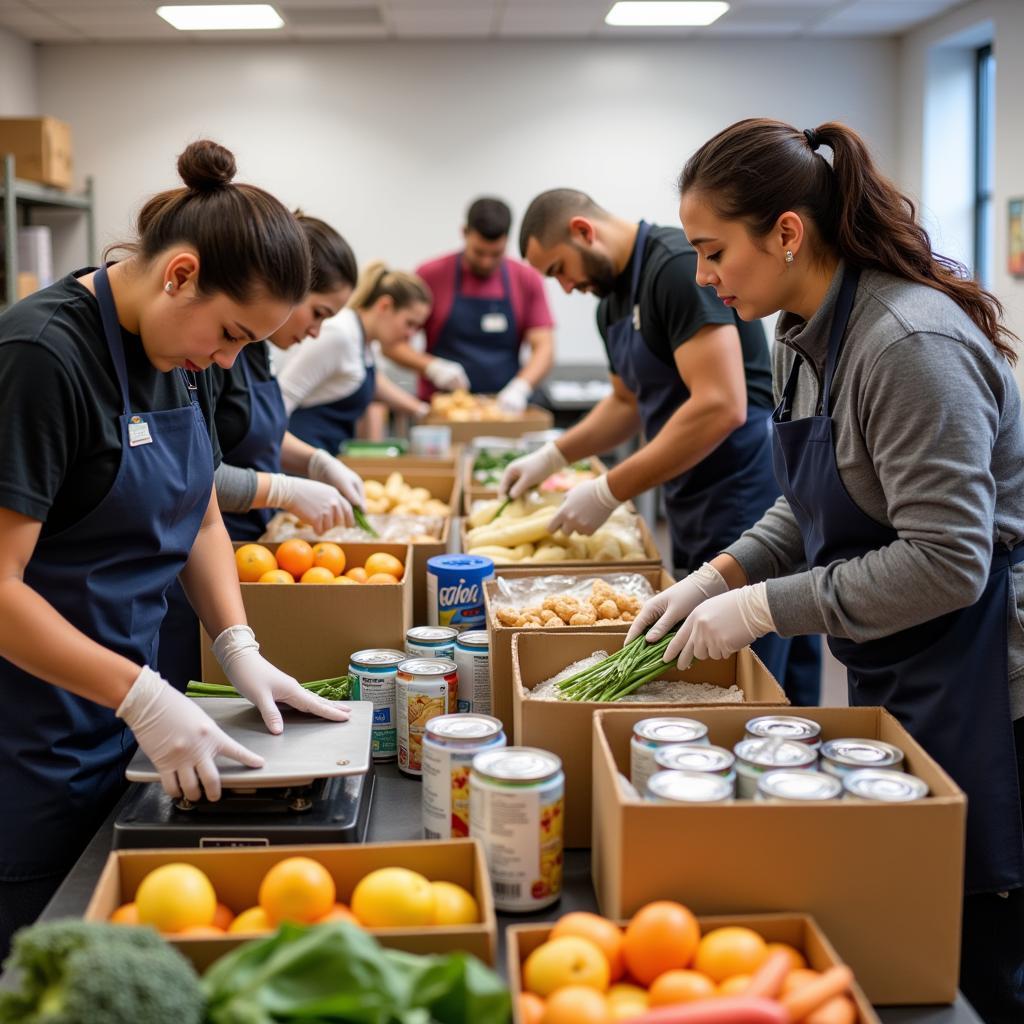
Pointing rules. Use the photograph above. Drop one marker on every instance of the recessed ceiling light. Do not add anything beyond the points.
(665, 13)
(220, 17)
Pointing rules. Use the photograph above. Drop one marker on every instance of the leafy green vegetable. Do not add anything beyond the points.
(79, 972)
(362, 522)
(336, 688)
(618, 675)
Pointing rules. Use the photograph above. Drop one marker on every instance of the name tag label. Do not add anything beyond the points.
(138, 432)
(494, 323)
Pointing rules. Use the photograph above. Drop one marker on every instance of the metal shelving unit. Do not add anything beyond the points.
(26, 196)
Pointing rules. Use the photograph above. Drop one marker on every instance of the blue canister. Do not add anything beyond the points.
(455, 590)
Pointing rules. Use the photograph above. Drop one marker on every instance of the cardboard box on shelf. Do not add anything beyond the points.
(236, 874)
(798, 930)
(885, 881)
(534, 418)
(500, 637)
(41, 147)
(311, 630)
(564, 727)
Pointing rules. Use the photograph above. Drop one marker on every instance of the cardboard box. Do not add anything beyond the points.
(311, 630)
(564, 727)
(405, 463)
(41, 148)
(534, 418)
(798, 930)
(473, 492)
(885, 881)
(236, 874)
(500, 637)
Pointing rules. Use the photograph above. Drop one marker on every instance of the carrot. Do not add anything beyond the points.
(727, 1010)
(804, 1000)
(839, 1010)
(768, 978)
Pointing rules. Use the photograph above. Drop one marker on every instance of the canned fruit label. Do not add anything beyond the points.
(455, 590)
(415, 709)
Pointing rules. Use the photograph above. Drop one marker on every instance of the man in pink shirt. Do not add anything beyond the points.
(486, 307)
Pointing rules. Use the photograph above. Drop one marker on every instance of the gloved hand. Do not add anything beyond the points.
(328, 470)
(320, 505)
(179, 737)
(514, 395)
(585, 507)
(667, 609)
(446, 375)
(263, 684)
(529, 470)
(722, 625)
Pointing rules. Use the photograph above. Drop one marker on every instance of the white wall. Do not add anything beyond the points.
(18, 84)
(389, 141)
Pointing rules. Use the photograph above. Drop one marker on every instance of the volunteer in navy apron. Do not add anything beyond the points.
(331, 424)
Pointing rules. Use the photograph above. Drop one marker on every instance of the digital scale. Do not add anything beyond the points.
(316, 786)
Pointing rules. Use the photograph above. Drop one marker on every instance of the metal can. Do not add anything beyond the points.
(450, 743)
(785, 727)
(431, 642)
(473, 658)
(671, 787)
(430, 440)
(516, 809)
(840, 757)
(694, 757)
(455, 590)
(884, 785)
(373, 675)
(755, 757)
(424, 689)
(797, 786)
(651, 733)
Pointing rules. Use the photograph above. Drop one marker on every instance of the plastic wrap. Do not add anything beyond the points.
(555, 601)
(397, 529)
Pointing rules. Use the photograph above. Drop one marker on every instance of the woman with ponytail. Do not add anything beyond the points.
(330, 381)
(107, 497)
(899, 448)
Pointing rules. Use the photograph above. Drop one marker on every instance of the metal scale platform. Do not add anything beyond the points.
(315, 787)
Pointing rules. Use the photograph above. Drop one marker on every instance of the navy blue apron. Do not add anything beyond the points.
(481, 335)
(946, 679)
(62, 757)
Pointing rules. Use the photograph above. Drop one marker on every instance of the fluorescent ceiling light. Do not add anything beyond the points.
(665, 13)
(220, 17)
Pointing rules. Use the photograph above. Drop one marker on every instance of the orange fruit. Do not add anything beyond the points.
(223, 917)
(394, 898)
(576, 1004)
(627, 1001)
(318, 574)
(381, 561)
(381, 578)
(175, 896)
(252, 561)
(295, 556)
(725, 952)
(681, 986)
(734, 986)
(796, 958)
(604, 934)
(277, 576)
(347, 580)
(453, 904)
(201, 931)
(330, 556)
(251, 921)
(659, 937)
(797, 979)
(297, 889)
(339, 912)
(531, 1008)
(358, 574)
(127, 913)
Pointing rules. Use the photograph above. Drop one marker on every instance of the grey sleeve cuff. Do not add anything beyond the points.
(772, 547)
(754, 558)
(794, 606)
(236, 488)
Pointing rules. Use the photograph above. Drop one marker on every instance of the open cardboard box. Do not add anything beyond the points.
(564, 727)
(463, 431)
(885, 881)
(371, 464)
(500, 637)
(798, 930)
(473, 491)
(236, 874)
(311, 630)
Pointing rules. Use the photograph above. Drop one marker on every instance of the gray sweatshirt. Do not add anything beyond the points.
(929, 440)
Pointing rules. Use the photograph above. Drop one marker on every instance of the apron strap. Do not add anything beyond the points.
(112, 331)
(836, 333)
(638, 262)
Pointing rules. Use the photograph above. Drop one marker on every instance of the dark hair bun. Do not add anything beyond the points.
(206, 166)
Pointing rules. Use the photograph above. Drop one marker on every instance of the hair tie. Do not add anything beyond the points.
(812, 139)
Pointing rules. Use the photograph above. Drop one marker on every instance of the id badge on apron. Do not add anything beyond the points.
(138, 432)
(494, 323)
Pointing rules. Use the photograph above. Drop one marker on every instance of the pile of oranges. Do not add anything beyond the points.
(592, 971)
(297, 561)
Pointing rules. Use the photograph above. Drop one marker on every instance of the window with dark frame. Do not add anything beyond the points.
(984, 160)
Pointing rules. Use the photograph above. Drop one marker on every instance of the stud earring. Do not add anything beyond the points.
(789, 256)
(169, 287)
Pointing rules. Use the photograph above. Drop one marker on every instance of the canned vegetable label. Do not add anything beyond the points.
(373, 673)
(455, 590)
(425, 689)
(473, 659)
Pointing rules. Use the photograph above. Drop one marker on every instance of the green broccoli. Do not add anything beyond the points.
(79, 972)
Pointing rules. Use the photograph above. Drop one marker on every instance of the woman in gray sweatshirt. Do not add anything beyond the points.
(899, 448)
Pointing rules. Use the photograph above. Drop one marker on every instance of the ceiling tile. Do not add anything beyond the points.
(878, 17)
(35, 26)
(551, 19)
(442, 22)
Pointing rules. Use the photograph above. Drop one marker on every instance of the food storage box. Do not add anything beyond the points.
(463, 431)
(41, 147)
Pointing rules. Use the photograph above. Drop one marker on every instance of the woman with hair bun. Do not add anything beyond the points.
(107, 496)
(899, 448)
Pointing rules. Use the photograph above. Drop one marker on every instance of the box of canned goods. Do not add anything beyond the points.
(754, 757)
(374, 673)
(473, 659)
(424, 689)
(652, 734)
(884, 785)
(680, 787)
(431, 642)
(798, 786)
(785, 727)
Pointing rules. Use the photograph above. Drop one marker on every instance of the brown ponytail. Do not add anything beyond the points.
(377, 279)
(333, 262)
(248, 242)
(757, 169)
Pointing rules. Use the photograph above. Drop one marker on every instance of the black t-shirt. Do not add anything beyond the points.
(232, 408)
(673, 308)
(60, 435)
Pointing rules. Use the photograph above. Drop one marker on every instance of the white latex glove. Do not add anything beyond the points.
(514, 395)
(179, 737)
(529, 470)
(667, 609)
(446, 375)
(323, 466)
(585, 507)
(320, 505)
(722, 625)
(263, 684)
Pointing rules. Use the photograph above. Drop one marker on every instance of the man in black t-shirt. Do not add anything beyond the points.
(684, 369)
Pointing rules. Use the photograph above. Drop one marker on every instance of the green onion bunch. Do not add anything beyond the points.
(620, 673)
(338, 688)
